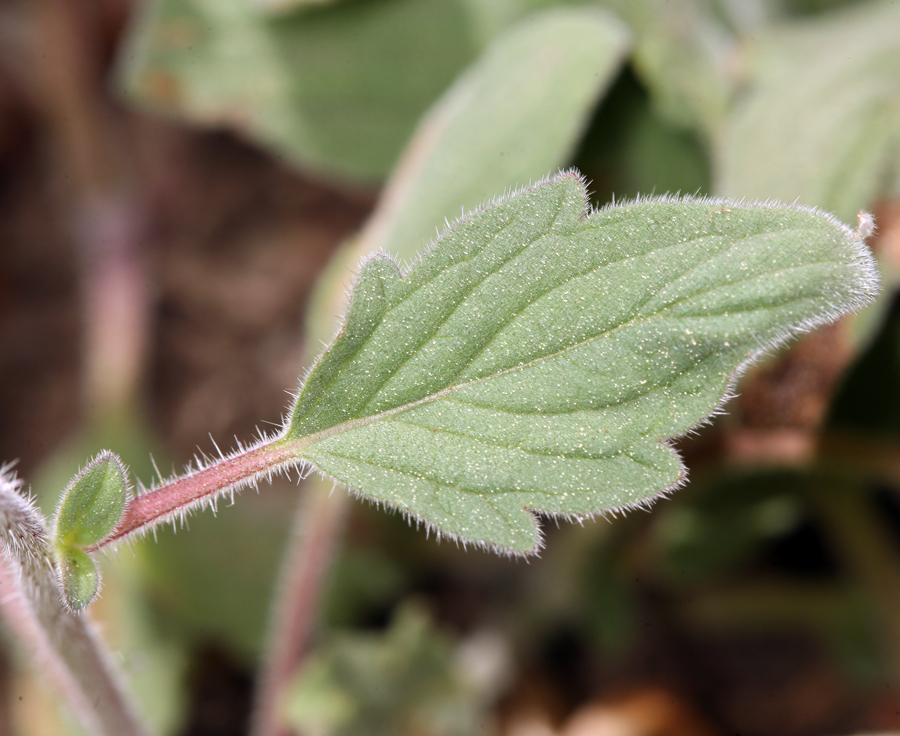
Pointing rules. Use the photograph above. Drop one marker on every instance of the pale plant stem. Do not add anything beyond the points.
(69, 654)
(90, 140)
(317, 531)
(63, 644)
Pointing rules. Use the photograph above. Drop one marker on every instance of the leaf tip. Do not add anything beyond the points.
(865, 227)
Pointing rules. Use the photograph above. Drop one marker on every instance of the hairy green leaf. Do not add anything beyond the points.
(536, 358)
(93, 503)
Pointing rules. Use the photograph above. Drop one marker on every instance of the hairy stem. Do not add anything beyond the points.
(64, 644)
(173, 498)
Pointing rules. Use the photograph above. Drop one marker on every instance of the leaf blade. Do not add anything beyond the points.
(536, 357)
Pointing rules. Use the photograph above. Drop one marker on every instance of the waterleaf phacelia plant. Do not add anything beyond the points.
(539, 356)
(536, 360)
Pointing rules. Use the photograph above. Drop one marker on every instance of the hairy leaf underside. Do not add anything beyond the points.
(538, 356)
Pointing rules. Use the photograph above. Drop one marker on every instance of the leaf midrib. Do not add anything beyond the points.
(349, 425)
(586, 223)
(733, 244)
(544, 293)
(623, 451)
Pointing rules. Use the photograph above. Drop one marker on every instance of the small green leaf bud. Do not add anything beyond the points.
(93, 503)
(78, 577)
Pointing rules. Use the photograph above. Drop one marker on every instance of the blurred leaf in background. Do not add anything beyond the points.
(511, 118)
(337, 89)
(404, 681)
(632, 148)
(818, 119)
(683, 54)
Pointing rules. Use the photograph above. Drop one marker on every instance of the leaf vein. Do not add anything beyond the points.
(422, 476)
(497, 445)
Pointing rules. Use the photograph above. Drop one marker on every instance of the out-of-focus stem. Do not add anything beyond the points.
(318, 526)
(317, 530)
(108, 223)
(868, 551)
